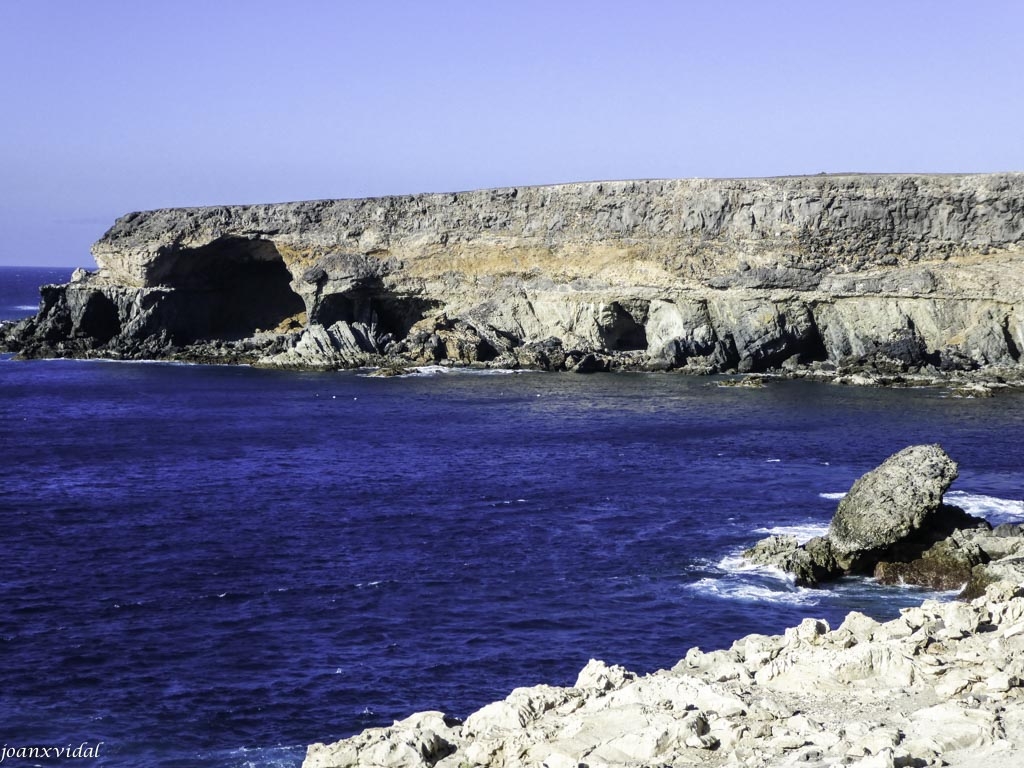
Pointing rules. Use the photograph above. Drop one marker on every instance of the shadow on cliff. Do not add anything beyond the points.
(227, 289)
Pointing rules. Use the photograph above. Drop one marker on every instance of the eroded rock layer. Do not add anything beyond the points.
(893, 273)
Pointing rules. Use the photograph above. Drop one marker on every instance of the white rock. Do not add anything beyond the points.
(955, 682)
(419, 740)
(960, 619)
(1001, 592)
(521, 707)
(808, 631)
(952, 726)
(709, 699)
(875, 739)
(1002, 682)
(860, 626)
(803, 724)
(599, 676)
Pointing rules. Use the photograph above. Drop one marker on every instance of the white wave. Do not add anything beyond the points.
(737, 563)
(374, 584)
(261, 757)
(773, 461)
(749, 592)
(833, 496)
(804, 532)
(737, 566)
(444, 370)
(27, 307)
(115, 361)
(992, 508)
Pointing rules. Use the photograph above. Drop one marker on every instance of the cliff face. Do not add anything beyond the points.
(898, 271)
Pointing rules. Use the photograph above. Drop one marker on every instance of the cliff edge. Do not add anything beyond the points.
(888, 274)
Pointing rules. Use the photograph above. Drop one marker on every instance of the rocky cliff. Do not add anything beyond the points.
(891, 273)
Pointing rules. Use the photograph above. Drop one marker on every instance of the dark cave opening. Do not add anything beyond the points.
(372, 305)
(349, 307)
(99, 319)
(229, 289)
(620, 330)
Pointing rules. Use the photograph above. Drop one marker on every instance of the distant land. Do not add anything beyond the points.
(865, 278)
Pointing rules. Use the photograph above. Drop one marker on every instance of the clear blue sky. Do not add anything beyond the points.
(110, 106)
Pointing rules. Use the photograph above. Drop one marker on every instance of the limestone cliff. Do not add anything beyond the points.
(897, 272)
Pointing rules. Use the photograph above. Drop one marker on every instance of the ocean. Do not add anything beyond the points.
(215, 566)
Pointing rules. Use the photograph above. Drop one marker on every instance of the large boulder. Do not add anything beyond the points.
(892, 523)
(894, 511)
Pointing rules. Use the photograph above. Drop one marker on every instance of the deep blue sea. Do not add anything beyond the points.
(215, 566)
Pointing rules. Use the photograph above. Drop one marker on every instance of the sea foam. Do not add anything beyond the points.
(804, 532)
(992, 508)
(738, 578)
(421, 371)
(749, 591)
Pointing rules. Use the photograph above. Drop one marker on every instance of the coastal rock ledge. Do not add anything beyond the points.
(874, 278)
(940, 685)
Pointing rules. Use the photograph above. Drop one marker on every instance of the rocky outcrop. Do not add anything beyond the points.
(940, 685)
(880, 275)
(896, 509)
(968, 560)
(809, 564)
(892, 524)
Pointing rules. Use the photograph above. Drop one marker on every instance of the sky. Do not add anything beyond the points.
(113, 106)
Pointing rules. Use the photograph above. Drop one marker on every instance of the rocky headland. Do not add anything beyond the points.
(865, 278)
(894, 525)
(943, 684)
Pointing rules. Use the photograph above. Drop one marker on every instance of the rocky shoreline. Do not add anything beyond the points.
(895, 280)
(940, 685)
(943, 684)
